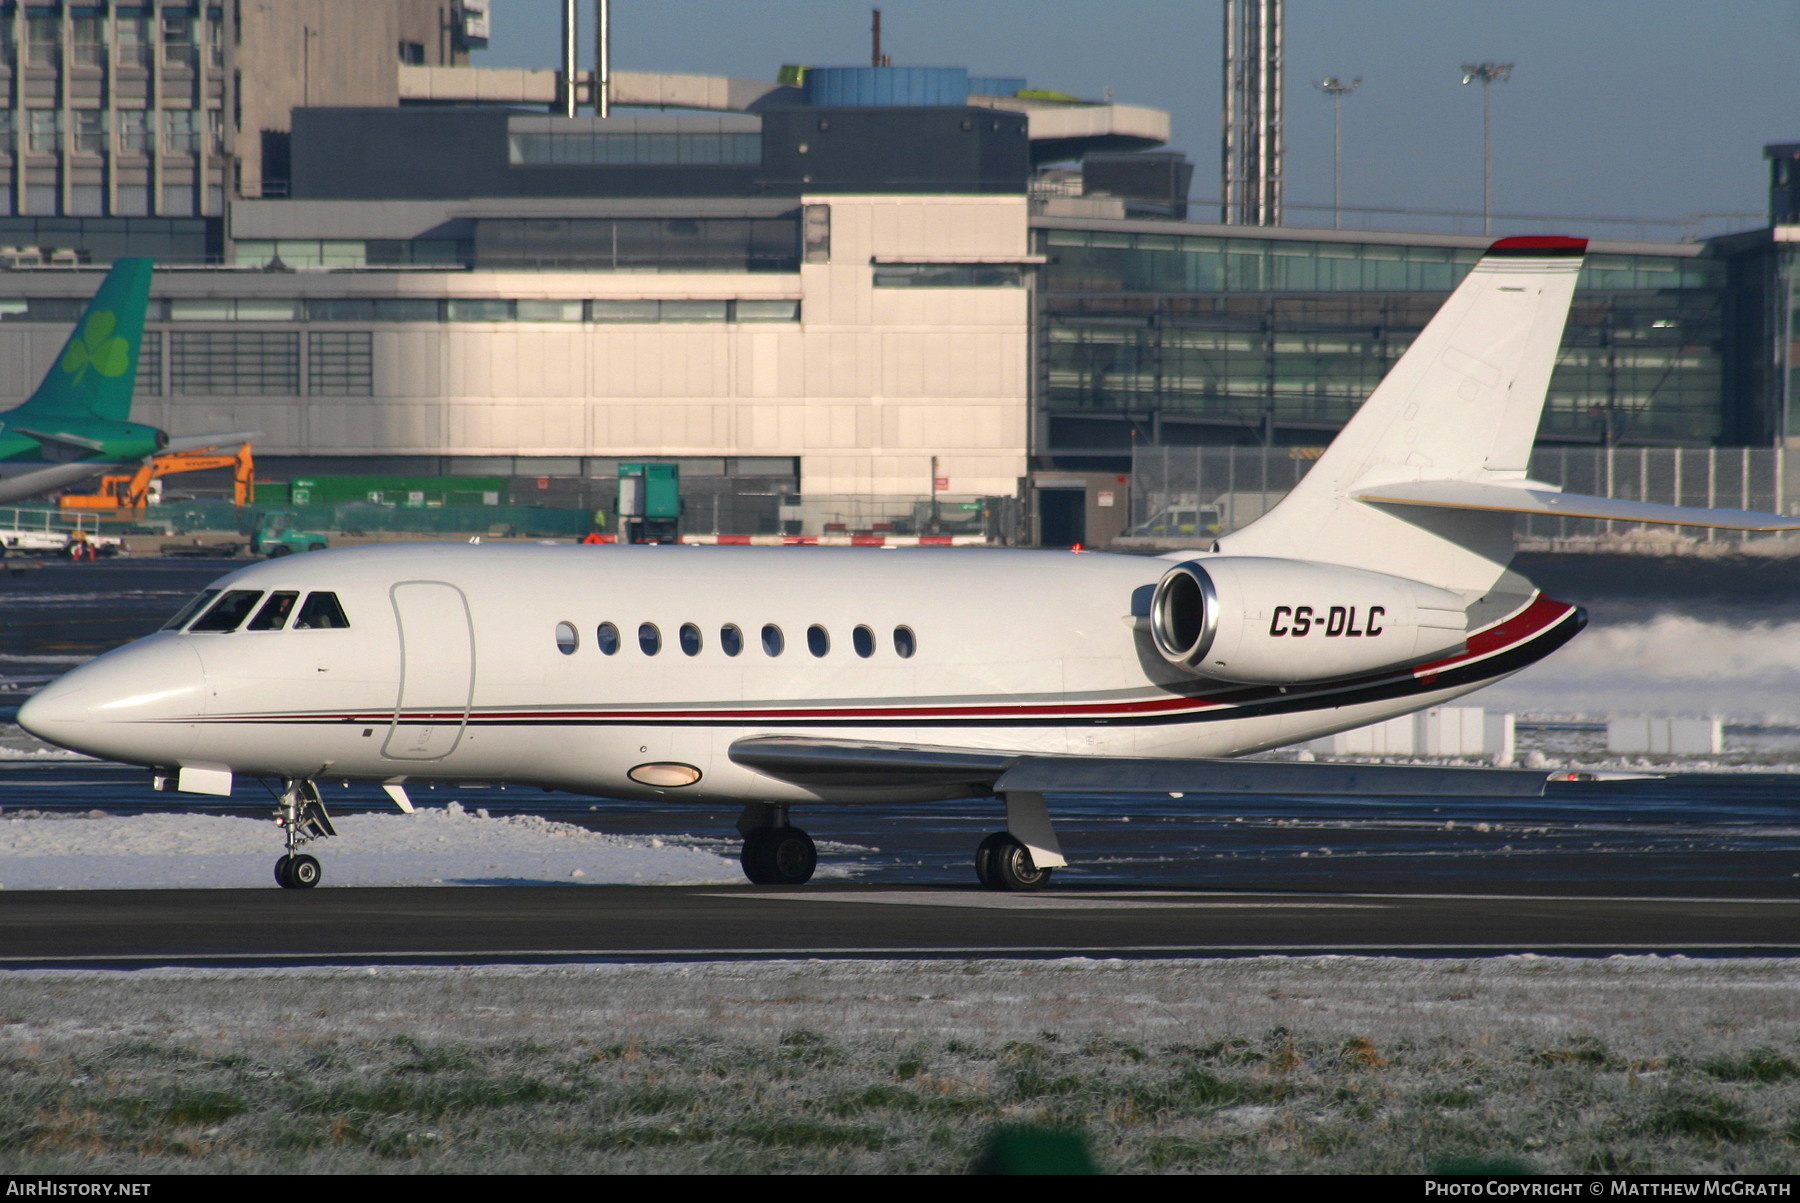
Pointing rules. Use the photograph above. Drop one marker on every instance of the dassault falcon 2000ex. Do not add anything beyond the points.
(777, 678)
(78, 422)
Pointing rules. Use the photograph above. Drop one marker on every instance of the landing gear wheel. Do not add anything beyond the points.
(779, 856)
(984, 859)
(304, 873)
(1003, 863)
(297, 872)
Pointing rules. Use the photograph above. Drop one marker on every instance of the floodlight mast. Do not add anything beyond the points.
(1487, 73)
(1337, 89)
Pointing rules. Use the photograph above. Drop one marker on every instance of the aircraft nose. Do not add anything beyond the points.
(138, 704)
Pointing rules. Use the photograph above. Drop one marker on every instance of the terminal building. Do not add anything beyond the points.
(839, 293)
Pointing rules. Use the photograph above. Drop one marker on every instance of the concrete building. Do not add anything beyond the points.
(129, 126)
(879, 283)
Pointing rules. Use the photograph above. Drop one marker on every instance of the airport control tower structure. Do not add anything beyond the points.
(1251, 169)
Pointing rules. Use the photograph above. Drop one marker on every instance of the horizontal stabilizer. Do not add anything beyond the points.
(1524, 499)
(827, 762)
(81, 445)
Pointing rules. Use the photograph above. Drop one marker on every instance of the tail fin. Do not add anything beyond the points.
(96, 373)
(1462, 404)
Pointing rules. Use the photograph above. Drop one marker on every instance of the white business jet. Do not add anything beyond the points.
(781, 677)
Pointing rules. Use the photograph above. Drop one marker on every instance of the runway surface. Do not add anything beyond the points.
(132, 929)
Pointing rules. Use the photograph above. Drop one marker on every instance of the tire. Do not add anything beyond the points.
(282, 867)
(280, 549)
(315, 547)
(1010, 867)
(985, 854)
(779, 856)
(304, 873)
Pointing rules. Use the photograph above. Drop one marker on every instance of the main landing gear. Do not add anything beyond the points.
(1021, 857)
(1003, 863)
(775, 852)
(300, 813)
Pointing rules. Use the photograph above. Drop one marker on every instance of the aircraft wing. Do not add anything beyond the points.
(827, 762)
(1525, 499)
(199, 442)
(20, 485)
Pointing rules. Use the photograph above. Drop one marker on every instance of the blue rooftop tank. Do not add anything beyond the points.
(855, 87)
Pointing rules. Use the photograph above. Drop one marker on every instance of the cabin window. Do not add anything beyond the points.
(229, 611)
(731, 639)
(606, 638)
(863, 639)
(818, 640)
(772, 641)
(321, 612)
(188, 611)
(690, 639)
(904, 642)
(649, 639)
(274, 614)
(566, 638)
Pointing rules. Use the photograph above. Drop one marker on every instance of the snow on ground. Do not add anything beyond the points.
(453, 846)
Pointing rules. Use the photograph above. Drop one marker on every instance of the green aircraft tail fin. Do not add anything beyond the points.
(96, 373)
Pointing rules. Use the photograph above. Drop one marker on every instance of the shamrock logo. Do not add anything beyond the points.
(98, 348)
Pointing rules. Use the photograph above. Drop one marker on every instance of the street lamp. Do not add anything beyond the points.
(1487, 73)
(1337, 89)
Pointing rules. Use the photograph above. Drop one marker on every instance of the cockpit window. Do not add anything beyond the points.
(188, 611)
(274, 614)
(229, 611)
(321, 612)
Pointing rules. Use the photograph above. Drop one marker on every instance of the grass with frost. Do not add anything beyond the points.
(1258, 1065)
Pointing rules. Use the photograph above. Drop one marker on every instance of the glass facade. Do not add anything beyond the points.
(1252, 339)
(711, 244)
(375, 310)
(589, 148)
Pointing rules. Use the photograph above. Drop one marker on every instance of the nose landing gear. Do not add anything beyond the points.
(300, 813)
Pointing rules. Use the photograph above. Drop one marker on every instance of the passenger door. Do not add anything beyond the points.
(437, 670)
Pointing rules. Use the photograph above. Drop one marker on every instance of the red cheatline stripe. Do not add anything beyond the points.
(734, 540)
(867, 540)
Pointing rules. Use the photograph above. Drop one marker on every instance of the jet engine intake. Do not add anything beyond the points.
(1252, 620)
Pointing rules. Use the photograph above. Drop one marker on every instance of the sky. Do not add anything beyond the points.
(1654, 110)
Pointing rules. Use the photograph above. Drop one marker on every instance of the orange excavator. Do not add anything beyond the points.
(133, 492)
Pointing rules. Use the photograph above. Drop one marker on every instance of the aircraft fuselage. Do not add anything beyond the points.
(491, 663)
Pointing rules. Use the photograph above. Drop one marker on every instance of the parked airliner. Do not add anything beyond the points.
(77, 424)
(784, 677)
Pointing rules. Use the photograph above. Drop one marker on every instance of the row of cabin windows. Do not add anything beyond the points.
(238, 609)
(731, 640)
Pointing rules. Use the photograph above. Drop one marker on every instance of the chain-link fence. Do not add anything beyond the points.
(1179, 492)
(704, 511)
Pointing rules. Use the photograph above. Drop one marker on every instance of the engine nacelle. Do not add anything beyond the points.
(1270, 622)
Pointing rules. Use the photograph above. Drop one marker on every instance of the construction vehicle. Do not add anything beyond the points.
(133, 492)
